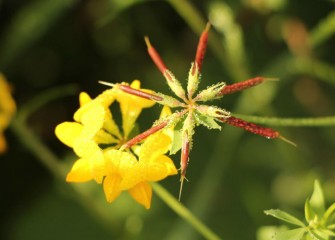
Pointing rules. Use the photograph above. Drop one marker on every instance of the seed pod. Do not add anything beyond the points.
(202, 45)
(155, 56)
(251, 127)
(243, 85)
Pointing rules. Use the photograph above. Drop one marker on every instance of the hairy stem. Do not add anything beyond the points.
(290, 122)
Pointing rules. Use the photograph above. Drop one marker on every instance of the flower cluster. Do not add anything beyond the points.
(96, 139)
(7, 110)
(129, 164)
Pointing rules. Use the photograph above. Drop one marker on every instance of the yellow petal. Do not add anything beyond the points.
(111, 186)
(85, 147)
(110, 125)
(84, 98)
(92, 113)
(102, 137)
(142, 193)
(107, 97)
(160, 168)
(144, 103)
(155, 145)
(129, 114)
(7, 104)
(125, 165)
(68, 132)
(166, 111)
(88, 149)
(131, 106)
(81, 171)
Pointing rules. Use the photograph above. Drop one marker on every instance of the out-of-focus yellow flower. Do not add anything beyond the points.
(96, 139)
(125, 172)
(7, 110)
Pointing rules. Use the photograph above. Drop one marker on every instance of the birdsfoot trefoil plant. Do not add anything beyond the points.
(191, 105)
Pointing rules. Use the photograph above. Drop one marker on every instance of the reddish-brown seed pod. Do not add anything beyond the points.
(139, 93)
(251, 127)
(185, 150)
(155, 56)
(202, 45)
(228, 89)
(144, 135)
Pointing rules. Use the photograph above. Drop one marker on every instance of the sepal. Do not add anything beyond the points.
(210, 93)
(174, 84)
(169, 101)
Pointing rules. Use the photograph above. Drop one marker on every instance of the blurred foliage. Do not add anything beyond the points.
(319, 220)
(233, 175)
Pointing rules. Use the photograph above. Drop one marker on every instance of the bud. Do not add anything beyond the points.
(193, 80)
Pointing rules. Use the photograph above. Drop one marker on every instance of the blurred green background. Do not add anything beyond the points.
(233, 175)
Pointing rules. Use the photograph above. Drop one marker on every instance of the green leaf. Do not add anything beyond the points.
(295, 234)
(285, 217)
(329, 212)
(317, 201)
(269, 232)
(321, 234)
(308, 211)
(207, 121)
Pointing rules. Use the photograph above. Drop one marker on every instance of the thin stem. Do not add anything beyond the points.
(55, 166)
(290, 122)
(183, 212)
(323, 31)
(32, 143)
(45, 97)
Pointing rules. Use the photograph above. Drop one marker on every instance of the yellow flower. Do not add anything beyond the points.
(94, 126)
(7, 110)
(118, 170)
(125, 172)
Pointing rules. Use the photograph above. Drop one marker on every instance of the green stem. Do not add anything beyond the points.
(323, 30)
(183, 212)
(290, 122)
(36, 147)
(329, 212)
(47, 96)
(55, 166)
